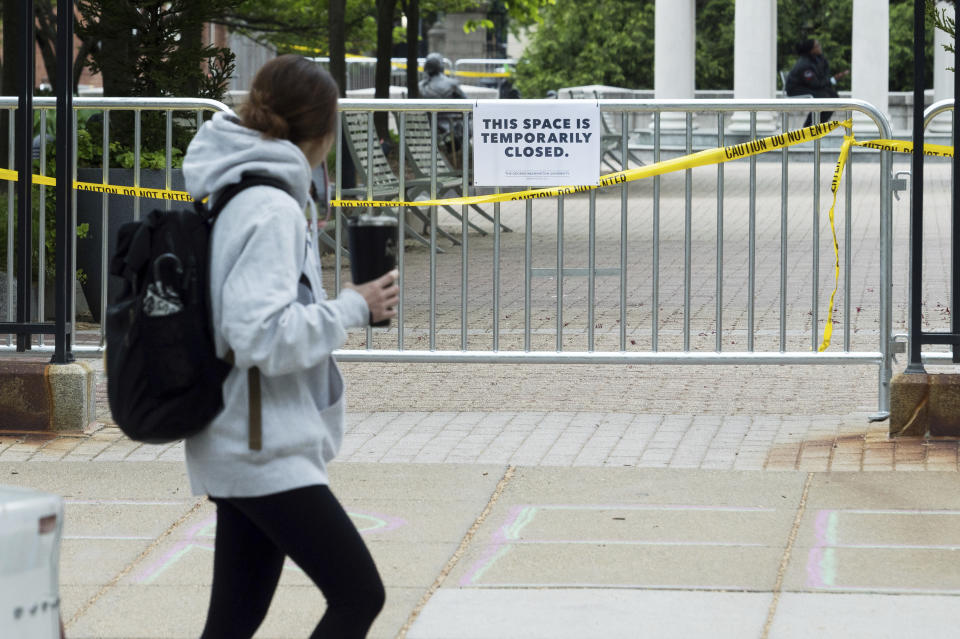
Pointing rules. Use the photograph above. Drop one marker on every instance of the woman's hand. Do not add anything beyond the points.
(382, 295)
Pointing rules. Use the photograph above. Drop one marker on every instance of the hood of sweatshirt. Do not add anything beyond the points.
(223, 150)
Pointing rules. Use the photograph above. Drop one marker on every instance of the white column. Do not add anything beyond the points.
(754, 59)
(674, 55)
(942, 78)
(870, 66)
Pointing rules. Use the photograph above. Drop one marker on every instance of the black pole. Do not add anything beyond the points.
(914, 362)
(63, 286)
(23, 163)
(955, 222)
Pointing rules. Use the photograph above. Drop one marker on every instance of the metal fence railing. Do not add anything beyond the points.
(99, 215)
(730, 264)
(657, 298)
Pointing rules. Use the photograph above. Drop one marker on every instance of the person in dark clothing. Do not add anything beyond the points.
(811, 76)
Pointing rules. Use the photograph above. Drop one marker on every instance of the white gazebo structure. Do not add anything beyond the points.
(755, 56)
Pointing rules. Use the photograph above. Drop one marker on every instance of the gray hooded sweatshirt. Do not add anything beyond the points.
(260, 248)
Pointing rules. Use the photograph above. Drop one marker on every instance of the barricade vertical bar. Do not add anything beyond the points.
(687, 236)
(369, 180)
(560, 204)
(623, 233)
(592, 269)
(496, 273)
(752, 241)
(104, 227)
(815, 275)
(339, 219)
(464, 212)
(433, 233)
(42, 225)
(719, 294)
(655, 310)
(847, 243)
(168, 155)
(527, 275)
(784, 229)
(886, 283)
(136, 161)
(401, 225)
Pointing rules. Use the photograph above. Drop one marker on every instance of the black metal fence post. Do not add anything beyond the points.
(955, 220)
(23, 164)
(64, 284)
(915, 326)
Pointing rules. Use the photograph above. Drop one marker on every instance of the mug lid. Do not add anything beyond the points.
(373, 220)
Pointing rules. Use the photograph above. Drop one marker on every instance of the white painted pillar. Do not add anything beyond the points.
(870, 66)
(754, 59)
(942, 78)
(674, 55)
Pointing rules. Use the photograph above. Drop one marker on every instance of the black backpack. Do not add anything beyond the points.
(163, 375)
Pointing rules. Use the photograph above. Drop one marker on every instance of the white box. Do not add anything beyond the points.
(31, 525)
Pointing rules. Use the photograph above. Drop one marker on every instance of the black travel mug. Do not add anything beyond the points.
(373, 249)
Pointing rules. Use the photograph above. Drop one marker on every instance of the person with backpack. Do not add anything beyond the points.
(270, 313)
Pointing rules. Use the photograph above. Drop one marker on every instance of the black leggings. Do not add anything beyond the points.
(255, 534)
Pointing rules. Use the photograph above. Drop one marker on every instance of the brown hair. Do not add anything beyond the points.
(291, 98)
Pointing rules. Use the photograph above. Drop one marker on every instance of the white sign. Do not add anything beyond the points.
(543, 143)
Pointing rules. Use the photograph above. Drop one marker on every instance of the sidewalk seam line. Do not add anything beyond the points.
(458, 554)
(123, 573)
(785, 559)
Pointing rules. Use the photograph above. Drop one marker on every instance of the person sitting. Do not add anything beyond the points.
(437, 86)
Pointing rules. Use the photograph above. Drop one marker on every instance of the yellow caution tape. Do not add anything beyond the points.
(835, 187)
(483, 74)
(133, 191)
(701, 158)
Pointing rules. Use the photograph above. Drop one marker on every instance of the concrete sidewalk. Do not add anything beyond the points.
(499, 552)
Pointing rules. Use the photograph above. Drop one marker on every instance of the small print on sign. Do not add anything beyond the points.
(544, 143)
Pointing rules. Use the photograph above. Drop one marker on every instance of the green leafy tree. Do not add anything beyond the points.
(944, 22)
(715, 33)
(153, 47)
(901, 47)
(590, 42)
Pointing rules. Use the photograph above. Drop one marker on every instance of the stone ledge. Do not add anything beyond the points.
(37, 396)
(922, 404)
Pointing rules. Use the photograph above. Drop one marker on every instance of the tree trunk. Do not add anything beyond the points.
(385, 11)
(8, 75)
(338, 52)
(46, 33)
(413, 48)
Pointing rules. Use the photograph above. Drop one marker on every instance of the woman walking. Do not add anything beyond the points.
(270, 311)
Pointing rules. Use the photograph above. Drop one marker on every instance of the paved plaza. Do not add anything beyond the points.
(588, 501)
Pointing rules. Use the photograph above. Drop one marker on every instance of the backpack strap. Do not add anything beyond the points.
(254, 406)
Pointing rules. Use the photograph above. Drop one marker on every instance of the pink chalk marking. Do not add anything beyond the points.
(197, 533)
(190, 540)
(492, 552)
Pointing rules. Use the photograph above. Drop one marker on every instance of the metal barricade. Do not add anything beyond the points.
(667, 304)
(184, 110)
(660, 278)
